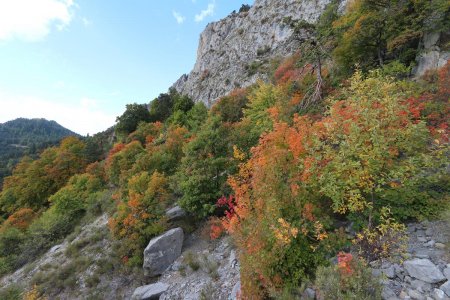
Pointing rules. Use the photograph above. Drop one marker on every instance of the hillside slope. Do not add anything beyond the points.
(21, 137)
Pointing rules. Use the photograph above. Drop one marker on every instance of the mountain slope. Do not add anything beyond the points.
(21, 137)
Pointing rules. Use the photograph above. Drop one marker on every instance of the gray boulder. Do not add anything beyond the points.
(149, 292)
(423, 269)
(175, 213)
(162, 251)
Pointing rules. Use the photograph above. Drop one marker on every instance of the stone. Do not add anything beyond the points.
(175, 213)
(424, 270)
(422, 239)
(447, 273)
(389, 272)
(446, 288)
(430, 243)
(415, 295)
(388, 293)
(429, 232)
(438, 294)
(162, 251)
(149, 292)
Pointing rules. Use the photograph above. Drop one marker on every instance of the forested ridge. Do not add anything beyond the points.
(27, 137)
(340, 136)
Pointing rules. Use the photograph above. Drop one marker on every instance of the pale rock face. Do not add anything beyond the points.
(228, 48)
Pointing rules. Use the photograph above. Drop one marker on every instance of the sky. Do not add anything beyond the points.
(79, 62)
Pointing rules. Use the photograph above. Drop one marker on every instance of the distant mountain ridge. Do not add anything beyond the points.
(22, 136)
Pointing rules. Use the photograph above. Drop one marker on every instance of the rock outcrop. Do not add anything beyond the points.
(162, 251)
(432, 56)
(234, 51)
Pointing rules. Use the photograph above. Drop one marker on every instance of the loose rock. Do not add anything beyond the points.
(424, 270)
(162, 251)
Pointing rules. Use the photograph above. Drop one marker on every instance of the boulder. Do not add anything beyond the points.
(175, 213)
(423, 269)
(162, 251)
(389, 272)
(446, 288)
(149, 292)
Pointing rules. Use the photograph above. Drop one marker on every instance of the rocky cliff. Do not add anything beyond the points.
(235, 51)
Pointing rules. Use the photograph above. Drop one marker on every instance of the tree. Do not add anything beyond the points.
(161, 108)
(204, 169)
(374, 32)
(130, 119)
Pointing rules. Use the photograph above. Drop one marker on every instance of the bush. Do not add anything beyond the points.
(12, 292)
(349, 279)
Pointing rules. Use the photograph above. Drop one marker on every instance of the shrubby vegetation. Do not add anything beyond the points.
(276, 165)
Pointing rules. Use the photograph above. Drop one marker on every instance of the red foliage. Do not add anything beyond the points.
(229, 204)
(345, 264)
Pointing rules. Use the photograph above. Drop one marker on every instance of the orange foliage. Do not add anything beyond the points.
(21, 219)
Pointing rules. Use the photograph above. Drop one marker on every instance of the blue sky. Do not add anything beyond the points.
(79, 62)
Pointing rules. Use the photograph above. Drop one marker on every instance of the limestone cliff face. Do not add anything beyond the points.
(233, 51)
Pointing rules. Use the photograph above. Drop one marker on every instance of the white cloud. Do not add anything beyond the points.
(32, 20)
(85, 117)
(209, 11)
(180, 19)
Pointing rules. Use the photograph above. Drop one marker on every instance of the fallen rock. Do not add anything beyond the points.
(389, 272)
(149, 292)
(423, 269)
(162, 251)
(175, 213)
(446, 288)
